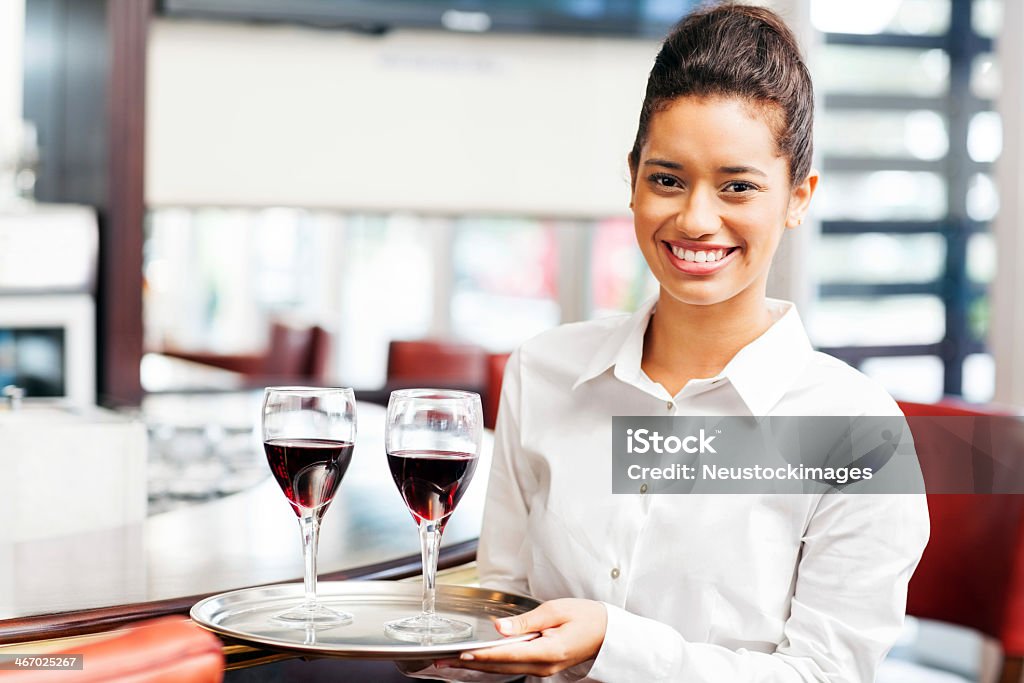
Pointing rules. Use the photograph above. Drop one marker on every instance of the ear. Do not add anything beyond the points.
(800, 200)
(632, 179)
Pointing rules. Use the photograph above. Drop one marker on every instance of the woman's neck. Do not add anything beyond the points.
(686, 341)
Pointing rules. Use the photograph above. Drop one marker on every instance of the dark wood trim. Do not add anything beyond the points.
(84, 622)
(120, 324)
(1013, 669)
(85, 78)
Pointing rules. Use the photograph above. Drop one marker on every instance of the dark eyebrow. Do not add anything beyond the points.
(664, 163)
(743, 169)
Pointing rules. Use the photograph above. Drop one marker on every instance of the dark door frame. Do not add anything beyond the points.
(85, 89)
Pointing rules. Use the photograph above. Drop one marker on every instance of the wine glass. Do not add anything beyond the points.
(308, 436)
(432, 440)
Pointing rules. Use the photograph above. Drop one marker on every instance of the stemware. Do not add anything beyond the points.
(432, 438)
(308, 436)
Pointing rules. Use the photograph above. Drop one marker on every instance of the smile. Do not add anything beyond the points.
(699, 261)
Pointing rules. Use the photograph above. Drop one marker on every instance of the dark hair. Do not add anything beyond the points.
(735, 50)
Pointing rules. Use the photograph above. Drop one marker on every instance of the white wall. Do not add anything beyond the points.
(790, 277)
(1007, 329)
(427, 121)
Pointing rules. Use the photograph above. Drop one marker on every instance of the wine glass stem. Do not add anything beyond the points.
(310, 526)
(430, 543)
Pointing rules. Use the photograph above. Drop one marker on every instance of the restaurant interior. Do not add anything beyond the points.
(203, 198)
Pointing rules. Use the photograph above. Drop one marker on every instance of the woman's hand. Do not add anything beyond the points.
(571, 631)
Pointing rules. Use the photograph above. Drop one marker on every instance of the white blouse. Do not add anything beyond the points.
(698, 588)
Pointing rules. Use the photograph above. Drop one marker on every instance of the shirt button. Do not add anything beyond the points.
(615, 572)
(670, 405)
(643, 488)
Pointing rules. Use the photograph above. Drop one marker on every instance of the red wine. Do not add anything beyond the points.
(308, 470)
(431, 482)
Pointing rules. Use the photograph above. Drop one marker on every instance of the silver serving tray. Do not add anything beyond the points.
(247, 615)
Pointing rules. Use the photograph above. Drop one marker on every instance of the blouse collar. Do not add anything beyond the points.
(761, 372)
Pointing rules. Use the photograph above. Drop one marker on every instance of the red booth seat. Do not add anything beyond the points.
(972, 572)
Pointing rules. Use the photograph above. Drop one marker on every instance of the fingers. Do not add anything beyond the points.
(548, 615)
(571, 631)
(531, 651)
(540, 657)
(510, 659)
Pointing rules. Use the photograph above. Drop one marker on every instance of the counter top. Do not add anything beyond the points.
(60, 586)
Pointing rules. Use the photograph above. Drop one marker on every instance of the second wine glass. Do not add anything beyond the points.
(433, 442)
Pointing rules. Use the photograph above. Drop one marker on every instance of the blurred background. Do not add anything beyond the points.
(455, 171)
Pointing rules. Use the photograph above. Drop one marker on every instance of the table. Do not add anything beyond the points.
(102, 579)
(161, 372)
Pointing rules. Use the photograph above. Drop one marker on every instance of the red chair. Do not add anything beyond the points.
(495, 374)
(166, 650)
(295, 353)
(972, 572)
(298, 352)
(440, 362)
(952, 408)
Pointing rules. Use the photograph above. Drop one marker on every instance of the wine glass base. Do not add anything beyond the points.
(317, 616)
(428, 629)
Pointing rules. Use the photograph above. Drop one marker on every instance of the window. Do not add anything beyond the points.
(386, 280)
(506, 281)
(215, 278)
(619, 277)
(908, 138)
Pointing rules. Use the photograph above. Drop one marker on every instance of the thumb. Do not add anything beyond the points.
(535, 620)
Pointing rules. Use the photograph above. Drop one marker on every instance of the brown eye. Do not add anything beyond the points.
(740, 187)
(664, 180)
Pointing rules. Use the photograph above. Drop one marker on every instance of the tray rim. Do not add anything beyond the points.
(397, 652)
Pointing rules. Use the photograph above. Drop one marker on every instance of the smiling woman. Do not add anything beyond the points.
(709, 212)
(779, 588)
(703, 202)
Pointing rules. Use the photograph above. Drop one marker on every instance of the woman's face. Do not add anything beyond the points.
(711, 198)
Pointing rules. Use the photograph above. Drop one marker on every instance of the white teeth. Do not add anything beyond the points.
(698, 256)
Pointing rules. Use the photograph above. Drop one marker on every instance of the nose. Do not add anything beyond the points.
(697, 215)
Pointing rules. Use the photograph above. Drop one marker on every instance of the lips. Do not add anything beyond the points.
(699, 258)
